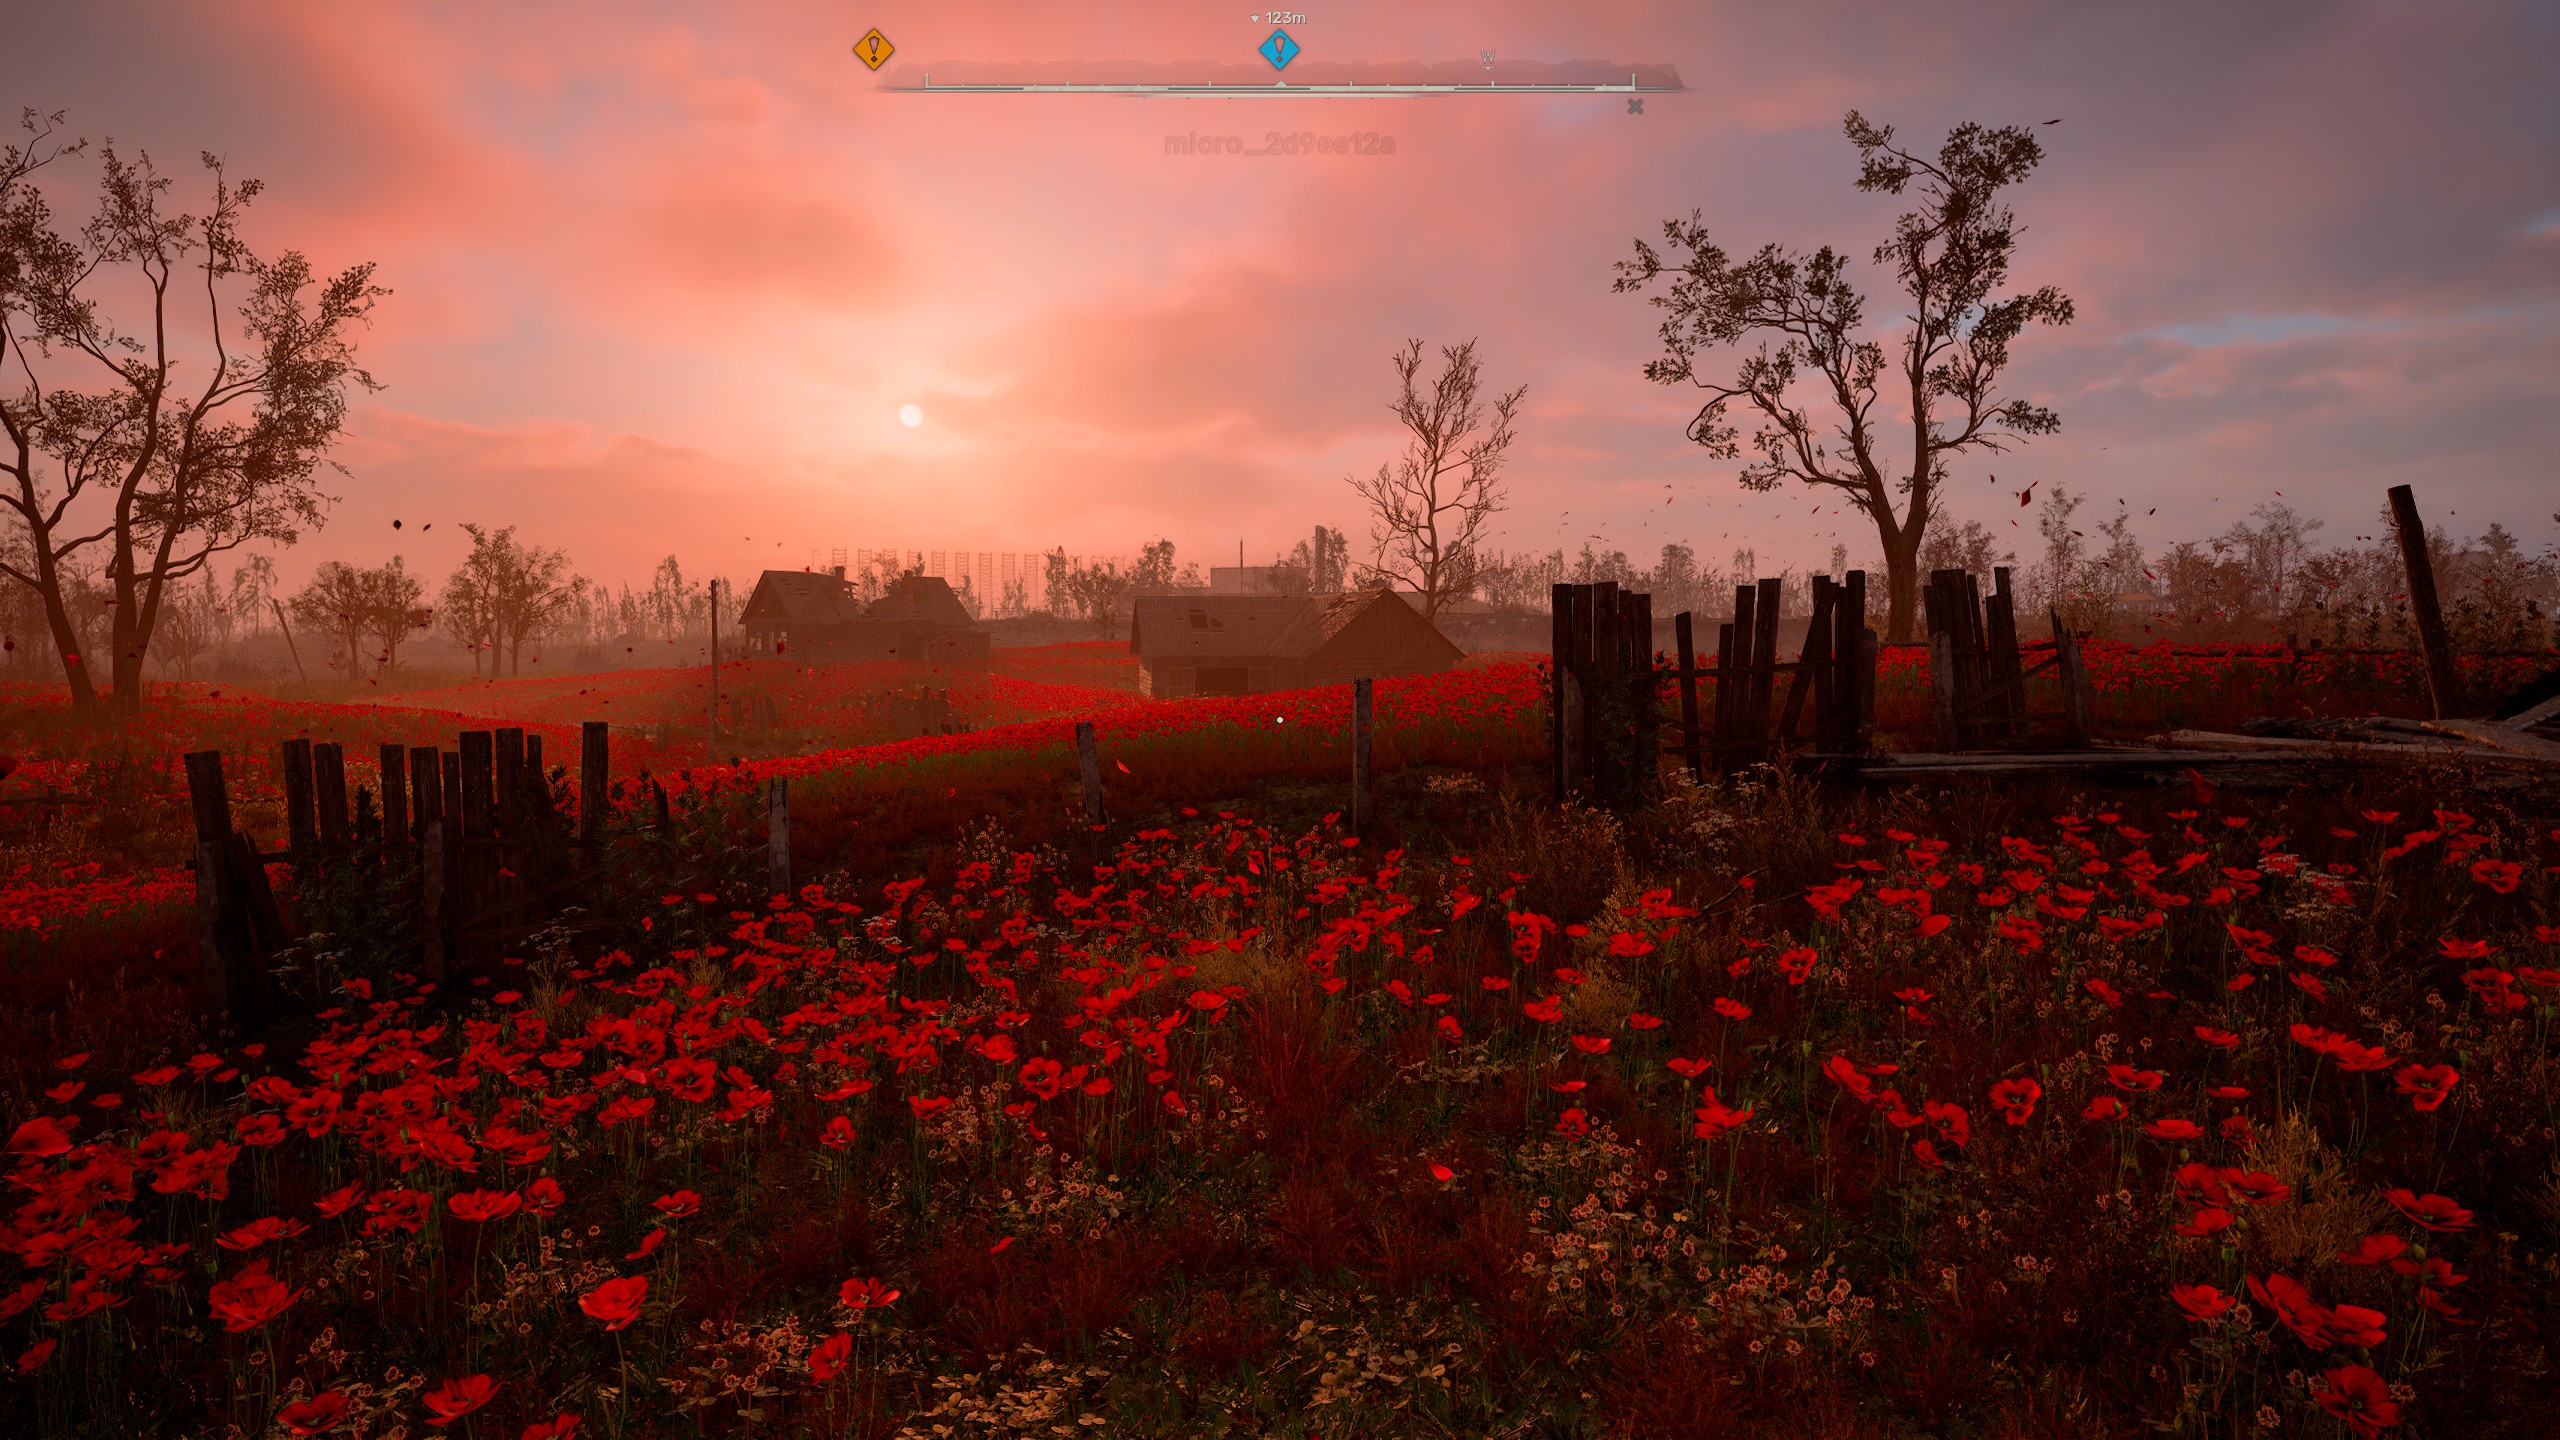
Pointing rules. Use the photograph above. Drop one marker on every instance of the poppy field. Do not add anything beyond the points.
(1765, 1110)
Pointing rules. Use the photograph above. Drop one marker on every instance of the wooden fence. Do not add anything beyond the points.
(1606, 683)
(1978, 672)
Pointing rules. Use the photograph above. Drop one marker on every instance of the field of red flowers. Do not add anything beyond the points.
(1774, 1111)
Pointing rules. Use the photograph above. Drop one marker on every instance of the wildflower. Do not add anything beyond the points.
(838, 1134)
(1716, 1118)
(2016, 1099)
(1638, 1020)
(1732, 1009)
(249, 1300)
(36, 1355)
(2426, 1085)
(2105, 1107)
(1927, 1155)
(559, 1427)
(2201, 1302)
(1447, 1025)
(829, 1357)
(456, 1398)
(2435, 1212)
(2173, 1129)
(40, 1139)
(482, 1206)
(2373, 1250)
(616, 1302)
(318, 1415)
(1798, 964)
(2255, 1186)
(678, 1206)
(1686, 1068)
(2125, 1077)
(2357, 1396)
(543, 1197)
(649, 1244)
(259, 1232)
(1573, 1124)
(861, 1294)
(1442, 1173)
(1591, 1044)
(2294, 1306)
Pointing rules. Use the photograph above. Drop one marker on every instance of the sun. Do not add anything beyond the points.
(911, 416)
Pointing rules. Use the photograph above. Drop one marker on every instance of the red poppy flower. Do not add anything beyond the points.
(2355, 1325)
(1545, 1012)
(456, 1398)
(616, 1302)
(2357, 1396)
(2201, 1302)
(559, 1427)
(1448, 1027)
(838, 1134)
(679, 1205)
(2435, 1212)
(861, 1294)
(2125, 1077)
(2016, 1099)
(36, 1355)
(1687, 1068)
(2173, 1128)
(1573, 1124)
(40, 1139)
(1591, 1044)
(1732, 1009)
(250, 1299)
(544, 1196)
(1715, 1118)
(1934, 925)
(482, 1206)
(1639, 1020)
(2219, 1039)
(2105, 1107)
(828, 1357)
(2373, 1250)
(2426, 1085)
(2255, 1186)
(649, 1244)
(318, 1415)
(1927, 1155)
(2208, 1220)
(2294, 1306)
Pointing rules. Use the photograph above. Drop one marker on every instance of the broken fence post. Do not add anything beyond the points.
(2443, 681)
(1089, 761)
(777, 836)
(595, 770)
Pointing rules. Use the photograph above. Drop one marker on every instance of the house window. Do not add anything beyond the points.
(1229, 681)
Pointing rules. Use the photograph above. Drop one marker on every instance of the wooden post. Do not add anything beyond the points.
(1849, 622)
(395, 796)
(290, 647)
(2444, 682)
(1764, 655)
(426, 789)
(777, 836)
(433, 920)
(213, 912)
(2006, 672)
(207, 794)
(715, 665)
(216, 905)
(1089, 761)
(479, 797)
(506, 776)
(1689, 752)
(1570, 628)
(329, 790)
(456, 910)
(1643, 700)
(1942, 688)
(595, 771)
(1810, 666)
(1360, 756)
(1720, 728)
(2075, 686)
(1863, 683)
(300, 823)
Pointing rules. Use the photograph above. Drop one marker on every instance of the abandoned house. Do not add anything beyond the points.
(818, 615)
(1247, 644)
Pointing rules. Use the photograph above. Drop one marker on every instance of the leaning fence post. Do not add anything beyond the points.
(777, 836)
(1360, 756)
(214, 900)
(2443, 682)
(1089, 760)
(2075, 686)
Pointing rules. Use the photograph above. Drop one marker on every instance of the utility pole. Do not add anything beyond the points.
(715, 667)
(288, 642)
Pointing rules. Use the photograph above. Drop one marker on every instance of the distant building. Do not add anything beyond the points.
(818, 615)
(1253, 579)
(1247, 644)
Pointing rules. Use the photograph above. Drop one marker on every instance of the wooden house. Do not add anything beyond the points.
(819, 615)
(1249, 644)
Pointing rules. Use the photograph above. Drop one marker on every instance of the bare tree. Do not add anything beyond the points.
(1949, 256)
(1428, 507)
(163, 480)
(509, 592)
(353, 605)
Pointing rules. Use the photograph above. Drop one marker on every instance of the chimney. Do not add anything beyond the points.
(836, 570)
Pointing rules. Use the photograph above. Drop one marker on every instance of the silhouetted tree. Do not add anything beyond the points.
(1950, 256)
(1428, 507)
(160, 479)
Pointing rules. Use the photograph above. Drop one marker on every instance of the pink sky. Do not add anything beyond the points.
(664, 274)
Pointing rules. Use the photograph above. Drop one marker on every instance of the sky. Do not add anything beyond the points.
(664, 275)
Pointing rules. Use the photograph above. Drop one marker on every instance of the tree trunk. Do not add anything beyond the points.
(1902, 583)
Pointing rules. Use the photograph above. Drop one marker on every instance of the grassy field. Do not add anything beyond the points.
(1768, 1110)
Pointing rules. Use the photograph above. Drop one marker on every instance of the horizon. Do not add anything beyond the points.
(648, 267)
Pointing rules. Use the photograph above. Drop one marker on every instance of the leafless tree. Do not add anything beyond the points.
(1428, 507)
(1950, 256)
(161, 479)
(505, 592)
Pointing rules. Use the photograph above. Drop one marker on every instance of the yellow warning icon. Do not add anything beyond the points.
(874, 49)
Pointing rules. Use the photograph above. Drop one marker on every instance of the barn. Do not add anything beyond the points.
(1247, 644)
(819, 615)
